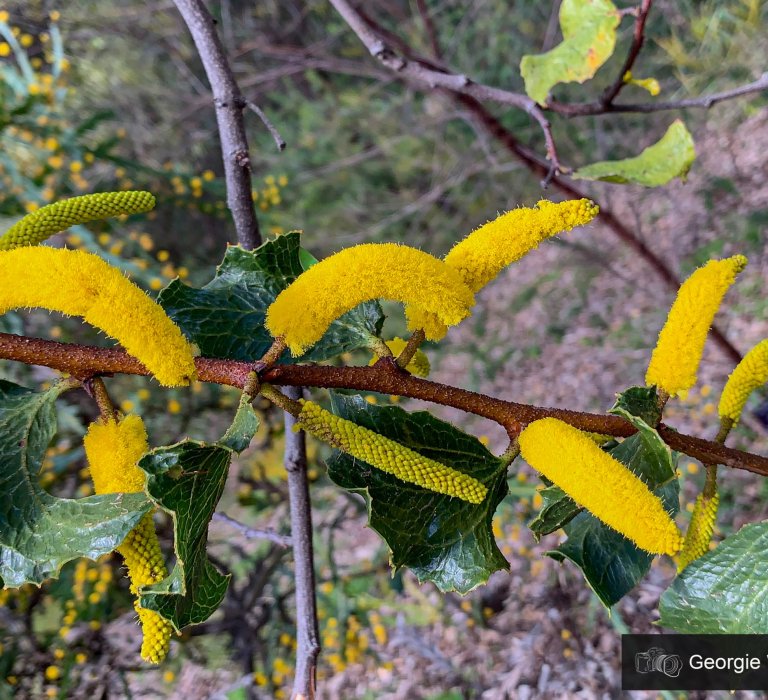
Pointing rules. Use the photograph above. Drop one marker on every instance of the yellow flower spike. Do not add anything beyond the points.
(750, 373)
(485, 252)
(389, 456)
(700, 530)
(600, 483)
(677, 354)
(305, 309)
(78, 283)
(43, 223)
(419, 364)
(113, 449)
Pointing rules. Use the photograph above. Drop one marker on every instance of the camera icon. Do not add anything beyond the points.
(656, 659)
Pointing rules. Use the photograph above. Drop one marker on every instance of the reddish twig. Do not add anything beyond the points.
(84, 361)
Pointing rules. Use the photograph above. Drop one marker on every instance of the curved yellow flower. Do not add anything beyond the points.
(419, 364)
(304, 310)
(676, 358)
(750, 373)
(700, 530)
(486, 251)
(78, 283)
(600, 483)
(113, 449)
(59, 216)
(389, 456)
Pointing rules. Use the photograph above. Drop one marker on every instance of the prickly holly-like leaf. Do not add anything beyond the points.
(243, 427)
(39, 533)
(441, 539)
(225, 318)
(612, 564)
(723, 592)
(187, 480)
(589, 38)
(668, 158)
(557, 510)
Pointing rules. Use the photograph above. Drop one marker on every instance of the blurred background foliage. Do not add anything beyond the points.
(98, 96)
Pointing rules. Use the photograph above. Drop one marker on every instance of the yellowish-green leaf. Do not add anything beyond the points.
(667, 159)
(589, 37)
(649, 84)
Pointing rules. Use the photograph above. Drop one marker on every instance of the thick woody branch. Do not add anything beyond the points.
(84, 361)
(229, 103)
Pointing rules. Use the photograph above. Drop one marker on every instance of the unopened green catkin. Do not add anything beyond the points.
(700, 530)
(389, 456)
(54, 218)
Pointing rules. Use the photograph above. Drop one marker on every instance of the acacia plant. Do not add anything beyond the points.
(276, 323)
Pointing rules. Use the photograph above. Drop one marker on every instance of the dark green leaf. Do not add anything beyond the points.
(187, 480)
(38, 532)
(441, 539)
(557, 510)
(589, 37)
(226, 317)
(668, 158)
(612, 564)
(725, 591)
(640, 401)
(243, 428)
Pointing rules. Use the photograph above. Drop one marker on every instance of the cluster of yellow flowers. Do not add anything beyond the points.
(78, 283)
(388, 455)
(43, 223)
(600, 483)
(700, 530)
(113, 449)
(436, 294)
(750, 373)
(675, 360)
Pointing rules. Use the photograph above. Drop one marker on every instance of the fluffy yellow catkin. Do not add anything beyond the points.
(676, 358)
(750, 373)
(700, 530)
(113, 449)
(599, 483)
(485, 252)
(78, 283)
(305, 309)
(43, 223)
(388, 455)
(419, 364)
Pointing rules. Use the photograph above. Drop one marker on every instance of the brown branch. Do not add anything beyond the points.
(638, 37)
(270, 127)
(84, 361)
(423, 74)
(429, 26)
(229, 103)
(252, 533)
(307, 632)
(581, 109)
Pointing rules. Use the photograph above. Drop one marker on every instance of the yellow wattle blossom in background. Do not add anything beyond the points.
(600, 483)
(78, 283)
(750, 373)
(677, 354)
(53, 218)
(304, 310)
(389, 456)
(418, 366)
(485, 252)
(113, 449)
(700, 530)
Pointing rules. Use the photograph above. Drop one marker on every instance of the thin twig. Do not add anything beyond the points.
(638, 37)
(426, 75)
(96, 388)
(83, 361)
(252, 533)
(307, 632)
(410, 349)
(271, 128)
(229, 103)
